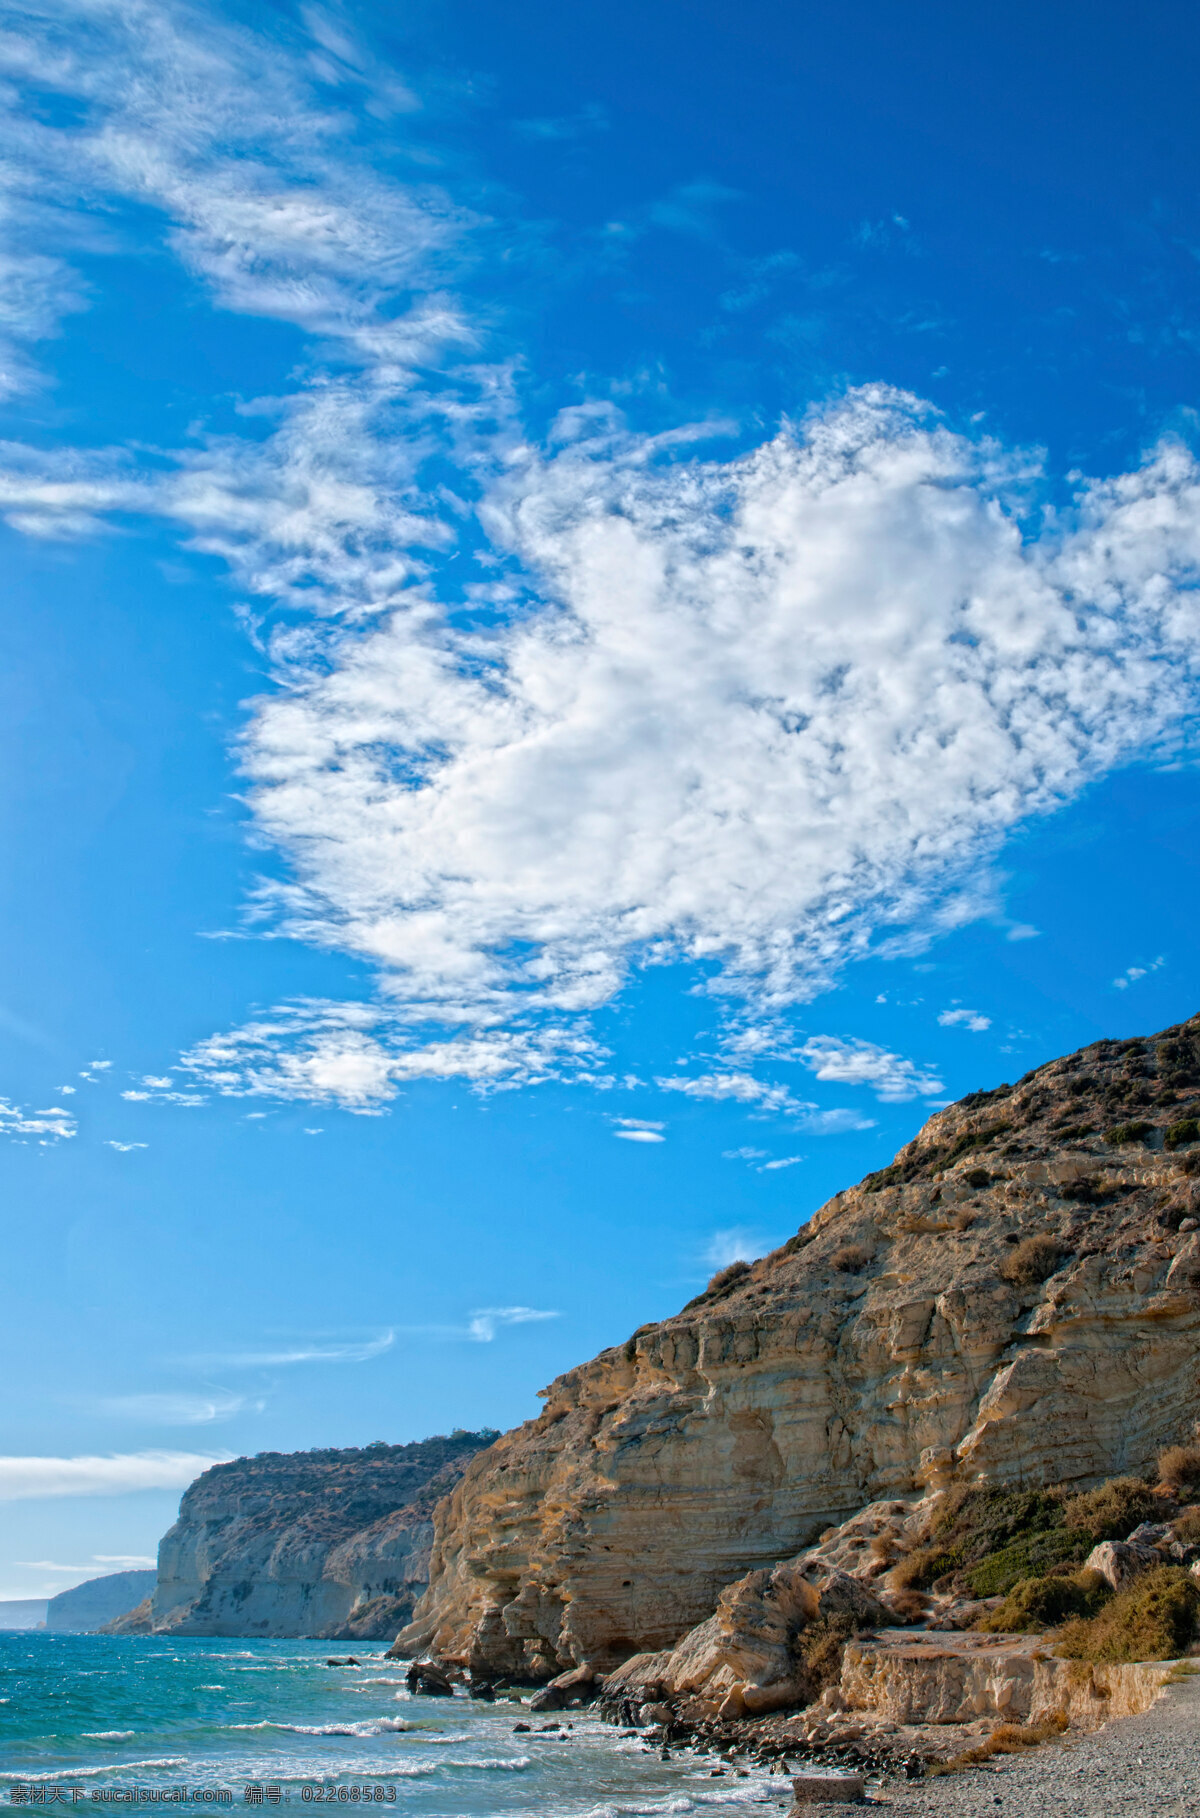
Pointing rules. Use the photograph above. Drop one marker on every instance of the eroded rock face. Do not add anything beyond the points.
(910, 1336)
(330, 1543)
(936, 1679)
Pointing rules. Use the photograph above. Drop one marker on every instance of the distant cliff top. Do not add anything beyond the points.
(328, 1491)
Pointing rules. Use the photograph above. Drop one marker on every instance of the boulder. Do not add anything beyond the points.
(827, 1789)
(842, 1596)
(1119, 1562)
(426, 1678)
(561, 1691)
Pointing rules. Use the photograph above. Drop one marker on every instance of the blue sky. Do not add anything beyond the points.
(599, 614)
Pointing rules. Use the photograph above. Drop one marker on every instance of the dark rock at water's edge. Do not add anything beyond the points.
(428, 1680)
(89, 1606)
(330, 1543)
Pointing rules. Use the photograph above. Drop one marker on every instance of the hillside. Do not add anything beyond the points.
(1016, 1298)
(89, 1606)
(326, 1542)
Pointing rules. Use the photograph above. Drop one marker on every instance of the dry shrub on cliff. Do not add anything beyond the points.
(722, 1281)
(1187, 1527)
(907, 1606)
(820, 1648)
(1042, 1603)
(1155, 1619)
(1112, 1510)
(850, 1258)
(1179, 1467)
(1032, 1260)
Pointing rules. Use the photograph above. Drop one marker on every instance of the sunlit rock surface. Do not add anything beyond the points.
(1015, 1298)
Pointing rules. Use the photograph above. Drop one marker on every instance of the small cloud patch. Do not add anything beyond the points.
(1132, 974)
(639, 1130)
(961, 1018)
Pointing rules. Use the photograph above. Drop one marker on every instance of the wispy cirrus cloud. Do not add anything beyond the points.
(112, 1474)
(178, 1410)
(99, 1565)
(316, 1351)
(485, 1323)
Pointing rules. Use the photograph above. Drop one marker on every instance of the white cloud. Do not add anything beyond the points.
(353, 1351)
(836, 1121)
(1132, 974)
(107, 1562)
(758, 1159)
(177, 1410)
(486, 1319)
(860, 1063)
(115, 1474)
(967, 1019)
(759, 715)
(46, 1126)
(764, 714)
(739, 1088)
(123, 1148)
(639, 1130)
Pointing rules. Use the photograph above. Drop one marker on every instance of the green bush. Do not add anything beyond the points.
(1044, 1603)
(1128, 1133)
(1154, 1619)
(1187, 1130)
(1030, 1558)
(1112, 1511)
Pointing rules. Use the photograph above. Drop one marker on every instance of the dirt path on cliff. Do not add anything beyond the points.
(1141, 1767)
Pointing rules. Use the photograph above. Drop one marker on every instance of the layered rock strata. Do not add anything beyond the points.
(1016, 1298)
(328, 1543)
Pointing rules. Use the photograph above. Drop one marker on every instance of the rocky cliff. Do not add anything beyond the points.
(1016, 1298)
(332, 1543)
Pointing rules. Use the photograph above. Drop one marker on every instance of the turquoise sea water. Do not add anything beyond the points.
(94, 1714)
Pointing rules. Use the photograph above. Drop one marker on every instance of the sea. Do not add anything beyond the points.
(117, 1721)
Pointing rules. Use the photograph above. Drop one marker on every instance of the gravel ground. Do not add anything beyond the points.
(1141, 1767)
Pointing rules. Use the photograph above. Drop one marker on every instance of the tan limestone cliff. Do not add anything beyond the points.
(1016, 1298)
